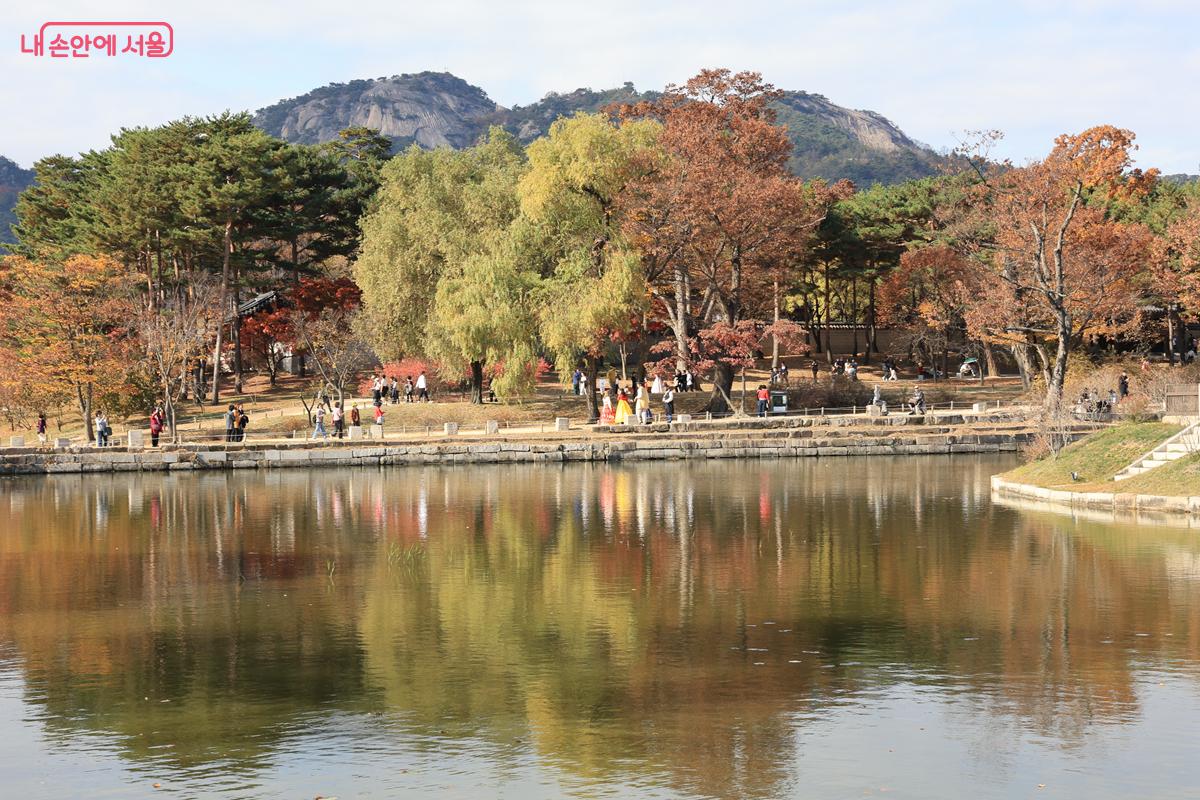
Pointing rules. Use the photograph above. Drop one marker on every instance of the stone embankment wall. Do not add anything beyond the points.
(1107, 501)
(647, 445)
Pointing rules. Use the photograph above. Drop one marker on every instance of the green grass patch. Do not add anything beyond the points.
(1095, 458)
(1179, 478)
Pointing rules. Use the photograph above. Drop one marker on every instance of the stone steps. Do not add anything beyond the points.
(1181, 444)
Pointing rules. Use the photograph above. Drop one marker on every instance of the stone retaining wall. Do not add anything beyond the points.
(792, 421)
(220, 456)
(1108, 501)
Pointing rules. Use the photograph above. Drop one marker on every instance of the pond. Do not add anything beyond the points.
(850, 627)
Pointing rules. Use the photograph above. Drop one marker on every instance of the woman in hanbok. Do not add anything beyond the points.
(642, 405)
(624, 412)
(606, 409)
(657, 386)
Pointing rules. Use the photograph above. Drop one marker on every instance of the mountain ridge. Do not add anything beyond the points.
(439, 109)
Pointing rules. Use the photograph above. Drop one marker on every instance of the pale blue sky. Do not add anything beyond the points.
(935, 68)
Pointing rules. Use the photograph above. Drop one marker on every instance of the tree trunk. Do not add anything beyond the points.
(718, 401)
(236, 332)
(1022, 367)
(828, 330)
(169, 413)
(224, 298)
(743, 403)
(85, 408)
(678, 320)
(1058, 372)
(198, 384)
(775, 339)
(990, 358)
(872, 346)
(854, 316)
(477, 382)
(592, 368)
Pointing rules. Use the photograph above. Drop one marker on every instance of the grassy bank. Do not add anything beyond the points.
(1097, 458)
(1180, 478)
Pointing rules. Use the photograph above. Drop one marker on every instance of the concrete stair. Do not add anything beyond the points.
(1181, 444)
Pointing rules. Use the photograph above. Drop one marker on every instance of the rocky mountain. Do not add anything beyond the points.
(436, 109)
(13, 179)
(433, 109)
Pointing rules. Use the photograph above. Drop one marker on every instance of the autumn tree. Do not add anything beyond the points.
(1175, 271)
(927, 296)
(737, 347)
(722, 216)
(1058, 266)
(267, 336)
(69, 327)
(592, 279)
(174, 335)
(325, 324)
(437, 277)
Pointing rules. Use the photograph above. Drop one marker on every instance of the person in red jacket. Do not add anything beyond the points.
(156, 425)
(763, 397)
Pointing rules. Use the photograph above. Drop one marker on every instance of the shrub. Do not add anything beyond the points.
(293, 424)
(404, 368)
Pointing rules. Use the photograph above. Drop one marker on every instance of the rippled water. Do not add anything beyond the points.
(834, 628)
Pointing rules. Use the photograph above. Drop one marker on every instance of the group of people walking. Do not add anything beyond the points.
(340, 419)
(684, 381)
(615, 405)
(383, 388)
(158, 422)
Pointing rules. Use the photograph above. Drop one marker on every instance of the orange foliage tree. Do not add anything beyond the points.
(68, 328)
(721, 216)
(928, 296)
(1175, 272)
(1057, 267)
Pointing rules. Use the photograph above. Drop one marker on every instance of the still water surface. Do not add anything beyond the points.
(840, 628)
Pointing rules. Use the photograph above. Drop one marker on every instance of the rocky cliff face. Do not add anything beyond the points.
(432, 109)
(440, 110)
(436, 109)
(13, 180)
(834, 142)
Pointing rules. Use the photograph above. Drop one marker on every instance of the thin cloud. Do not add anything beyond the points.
(934, 68)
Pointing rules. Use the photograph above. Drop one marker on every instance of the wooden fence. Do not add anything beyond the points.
(1183, 399)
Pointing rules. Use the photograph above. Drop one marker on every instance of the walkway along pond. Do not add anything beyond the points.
(782, 438)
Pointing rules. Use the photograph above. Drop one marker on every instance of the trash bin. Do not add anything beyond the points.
(779, 402)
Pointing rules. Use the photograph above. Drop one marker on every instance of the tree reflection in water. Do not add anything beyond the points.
(672, 625)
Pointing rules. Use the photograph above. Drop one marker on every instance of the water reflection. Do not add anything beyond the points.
(677, 629)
